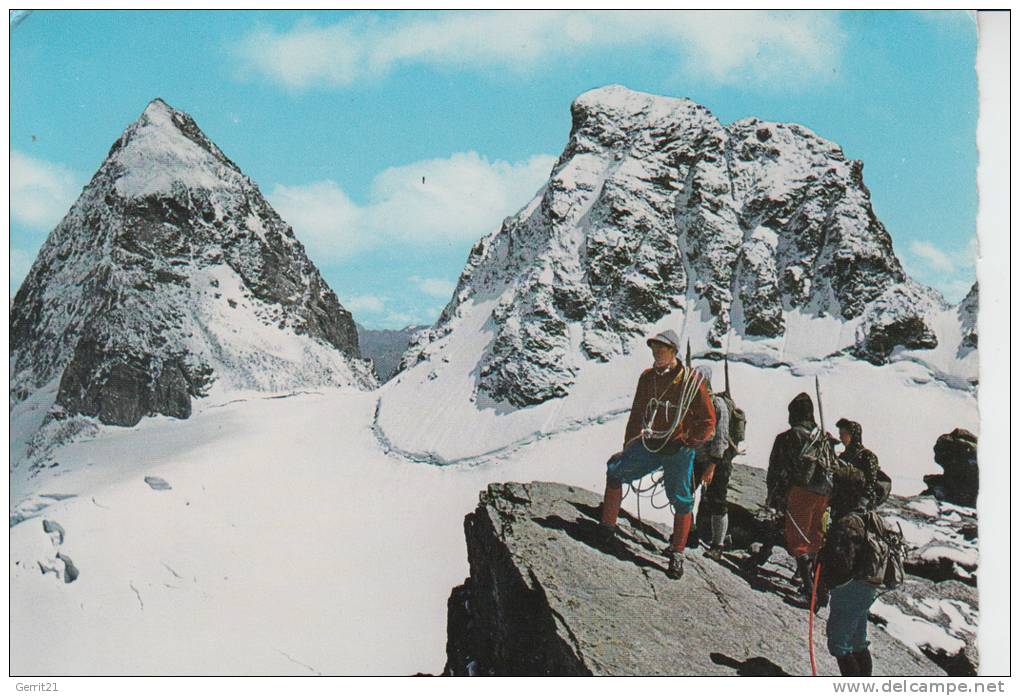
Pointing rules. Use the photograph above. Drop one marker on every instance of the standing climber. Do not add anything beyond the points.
(799, 479)
(850, 596)
(671, 414)
(718, 455)
(858, 478)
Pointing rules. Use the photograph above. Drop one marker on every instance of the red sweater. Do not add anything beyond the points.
(695, 429)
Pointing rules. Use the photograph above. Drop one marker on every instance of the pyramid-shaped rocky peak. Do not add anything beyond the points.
(755, 230)
(171, 275)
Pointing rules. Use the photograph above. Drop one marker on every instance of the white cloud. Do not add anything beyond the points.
(934, 257)
(952, 272)
(939, 260)
(726, 46)
(41, 191)
(364, 303)
(454, 199)
(435, 287)
(323, 216)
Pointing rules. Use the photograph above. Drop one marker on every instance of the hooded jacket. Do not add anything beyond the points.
(787, 448)
(856, 481)
(697, 426)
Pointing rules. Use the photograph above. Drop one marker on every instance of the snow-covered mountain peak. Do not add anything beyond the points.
(170, 276)
(758, 236)
(164, 150)
(619, 102)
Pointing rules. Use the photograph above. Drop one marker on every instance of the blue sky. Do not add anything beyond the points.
(336, 114)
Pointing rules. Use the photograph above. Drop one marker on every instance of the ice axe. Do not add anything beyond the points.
(821, 414)
(688, 354)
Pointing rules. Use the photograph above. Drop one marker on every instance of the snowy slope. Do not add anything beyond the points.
(435, 412)
(290, 541)
(170, 278)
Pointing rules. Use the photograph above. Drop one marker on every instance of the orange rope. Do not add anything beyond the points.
(811, 620)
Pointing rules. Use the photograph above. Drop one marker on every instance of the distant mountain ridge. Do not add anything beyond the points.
(171, 275)
(385, 347)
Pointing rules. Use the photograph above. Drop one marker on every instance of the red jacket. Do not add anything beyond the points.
(695, 429)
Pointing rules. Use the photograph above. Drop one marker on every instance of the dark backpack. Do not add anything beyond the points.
(882, 553)
(813, 466)
(738, 423)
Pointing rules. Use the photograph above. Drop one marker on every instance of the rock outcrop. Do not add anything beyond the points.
(967, 312)
(548, 595)
(956, 453)
(171, 273)
(655, 208)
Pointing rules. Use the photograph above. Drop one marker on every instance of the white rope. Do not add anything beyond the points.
(690, 384)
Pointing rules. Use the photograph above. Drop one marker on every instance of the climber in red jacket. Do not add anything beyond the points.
(672, 414)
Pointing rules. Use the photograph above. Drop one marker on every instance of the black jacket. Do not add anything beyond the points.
(856, 480)
(787, 448)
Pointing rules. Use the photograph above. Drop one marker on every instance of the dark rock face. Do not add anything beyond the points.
(655, 206)
(121, 389)
(967, 312)
(956, 453)
(548, 596)
(124, 303)
(898, 318)
(385, 348)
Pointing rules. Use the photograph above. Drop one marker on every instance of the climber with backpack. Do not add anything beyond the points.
(718, 456)
(670, 416)
(799, 481)
(862, 555)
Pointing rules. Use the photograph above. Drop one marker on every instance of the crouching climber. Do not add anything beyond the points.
(672, 414)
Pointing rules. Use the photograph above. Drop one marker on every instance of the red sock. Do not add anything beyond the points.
(681, 530)
(611, 501)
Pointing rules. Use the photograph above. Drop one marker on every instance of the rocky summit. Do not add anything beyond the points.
(655, 207)
(169, 276)
(548, 595)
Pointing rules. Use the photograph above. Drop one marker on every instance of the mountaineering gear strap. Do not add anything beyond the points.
(797, 527)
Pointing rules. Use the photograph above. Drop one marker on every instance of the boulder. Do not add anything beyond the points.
(548, 596)
(956, 453)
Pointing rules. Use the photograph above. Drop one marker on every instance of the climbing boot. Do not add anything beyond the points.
(715, 553)
(759, 556)
(676, 564)
(863, 659)
(607, 532)
(848, 666)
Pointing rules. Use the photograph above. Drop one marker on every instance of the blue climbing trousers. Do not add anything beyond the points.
(677, 472)
(847, 629)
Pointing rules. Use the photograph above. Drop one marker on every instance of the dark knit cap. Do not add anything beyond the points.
(801, 409)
